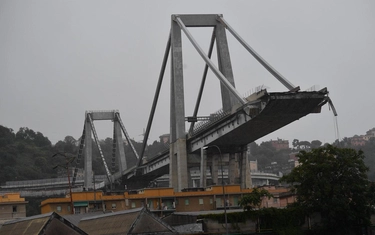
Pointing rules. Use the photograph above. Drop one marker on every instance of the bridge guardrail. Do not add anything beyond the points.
(40, 182)
(213, 118)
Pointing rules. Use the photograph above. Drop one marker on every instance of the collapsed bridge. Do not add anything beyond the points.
(241, 120)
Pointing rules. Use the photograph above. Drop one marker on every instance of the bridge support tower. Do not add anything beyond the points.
(118, 151)
(179, 160)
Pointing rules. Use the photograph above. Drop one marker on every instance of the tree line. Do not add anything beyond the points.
(27, 155)
(265, 153)
(334, 196)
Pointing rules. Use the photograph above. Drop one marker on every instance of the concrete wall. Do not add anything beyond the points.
(12, 211)
(12, 206)
(213, 226)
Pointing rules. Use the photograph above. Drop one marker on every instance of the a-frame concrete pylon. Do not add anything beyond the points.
(178, 151)
(86, 145)
(178, 155)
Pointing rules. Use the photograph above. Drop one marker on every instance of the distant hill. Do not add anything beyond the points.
(265, 153)
(27, 155)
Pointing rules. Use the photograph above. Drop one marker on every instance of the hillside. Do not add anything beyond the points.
(27, 155)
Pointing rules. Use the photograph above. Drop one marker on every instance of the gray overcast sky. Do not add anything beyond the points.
(61, 58)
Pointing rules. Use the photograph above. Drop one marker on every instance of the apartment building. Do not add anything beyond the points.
(280, 144)
(160, 201)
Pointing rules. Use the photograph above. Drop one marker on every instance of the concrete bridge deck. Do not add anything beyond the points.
(257, 118)
(268, 113)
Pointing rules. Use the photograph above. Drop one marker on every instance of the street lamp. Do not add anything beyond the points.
(222, 183)
(67, 162)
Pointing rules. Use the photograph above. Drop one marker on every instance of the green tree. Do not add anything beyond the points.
(254, 199)
(304, 144)
(295, 143)
(369, 150)
(68, 145)
(8, 173)
(41, 141)
(332, 181)
(316, 144)
(31, 137)
(6, 136)
(263, 153)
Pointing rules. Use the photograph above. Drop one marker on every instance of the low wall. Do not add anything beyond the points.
(213, 226)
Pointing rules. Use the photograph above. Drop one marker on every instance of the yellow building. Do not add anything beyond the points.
(160, 201)
(12, 206)
(84, 202)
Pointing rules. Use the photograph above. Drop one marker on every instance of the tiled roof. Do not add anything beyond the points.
(48, 224)
(136, 221)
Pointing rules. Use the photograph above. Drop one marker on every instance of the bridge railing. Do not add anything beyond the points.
(41, 182)
(202, 125)
(102, 111)
(265, 174)
(220, 114)
(48, 193)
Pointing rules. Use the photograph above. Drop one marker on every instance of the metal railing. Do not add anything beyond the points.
(33, 183)
(202, 125)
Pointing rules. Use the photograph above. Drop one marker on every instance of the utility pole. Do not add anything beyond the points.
(222, 184)
(67, 162)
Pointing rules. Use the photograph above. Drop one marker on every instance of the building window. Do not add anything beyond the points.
(77, 210)
(235, 201)
(211, 201)
(133, 204)
(186, 202)
(14, 209)
(274, 200)
(114, 206)
(69, 209)
(218, 202)
(58, 208)
(200, 201)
